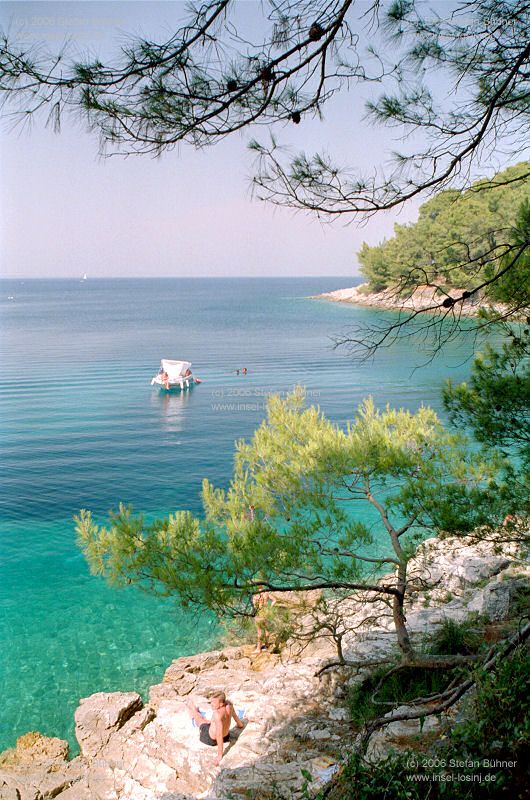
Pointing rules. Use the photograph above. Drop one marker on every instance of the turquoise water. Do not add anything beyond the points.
(81, 427)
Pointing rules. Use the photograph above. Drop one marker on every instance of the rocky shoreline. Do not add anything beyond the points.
(422, 299)
(296, 720)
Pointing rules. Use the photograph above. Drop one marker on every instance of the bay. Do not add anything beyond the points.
(81, 427)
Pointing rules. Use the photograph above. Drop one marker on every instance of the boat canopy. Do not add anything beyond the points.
(175, 369)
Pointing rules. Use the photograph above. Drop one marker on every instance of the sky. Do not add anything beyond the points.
(66, 210)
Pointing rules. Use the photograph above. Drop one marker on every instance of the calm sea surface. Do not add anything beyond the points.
(81, 427)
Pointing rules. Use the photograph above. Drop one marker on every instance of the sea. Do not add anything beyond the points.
(81, 427)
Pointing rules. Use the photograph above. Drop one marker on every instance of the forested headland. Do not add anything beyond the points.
(457, 238)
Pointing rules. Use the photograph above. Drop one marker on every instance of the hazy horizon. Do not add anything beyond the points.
(176, 277)
(66, 210)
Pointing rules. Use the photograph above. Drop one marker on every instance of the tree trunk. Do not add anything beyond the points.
(403, 638)
(398, 614)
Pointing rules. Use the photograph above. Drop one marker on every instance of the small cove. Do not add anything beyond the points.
(82, 428)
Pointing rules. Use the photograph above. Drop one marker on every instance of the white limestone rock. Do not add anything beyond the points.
(453, 565)
(493, 601)
(28, 781)
(37, 767)
(391, 736)
(294, 720)
(100, 715)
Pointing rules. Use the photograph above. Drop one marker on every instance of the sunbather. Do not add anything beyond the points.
(215, 732)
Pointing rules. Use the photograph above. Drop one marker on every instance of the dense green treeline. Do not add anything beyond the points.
(457, 239)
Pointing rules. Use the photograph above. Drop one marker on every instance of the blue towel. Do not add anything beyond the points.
(206, 714)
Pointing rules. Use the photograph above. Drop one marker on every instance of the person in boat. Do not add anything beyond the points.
(262, 602)
(164, 377)
(217, 731)
(187, 373)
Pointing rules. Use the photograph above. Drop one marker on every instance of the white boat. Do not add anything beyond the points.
(174, 375)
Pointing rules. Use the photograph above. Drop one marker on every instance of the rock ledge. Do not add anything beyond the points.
(296, 724)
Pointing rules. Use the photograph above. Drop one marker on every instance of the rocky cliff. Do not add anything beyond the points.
(296, 720)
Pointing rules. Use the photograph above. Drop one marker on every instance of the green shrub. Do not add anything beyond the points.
(457, 638)
(280, 622)
(500, 716)
(451, 638)
(398, 688)
(359, 781)
(497, 728)
(520, 602)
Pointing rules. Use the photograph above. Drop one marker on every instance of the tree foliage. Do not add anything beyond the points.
(295, 514)
(498, 284)
(459, 240)
(453, 83)
(495, 402)
(512, 281)
(213, 77)
(495, 405)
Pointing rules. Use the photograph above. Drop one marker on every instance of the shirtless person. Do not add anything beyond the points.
(215, 732)
(261, 602)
